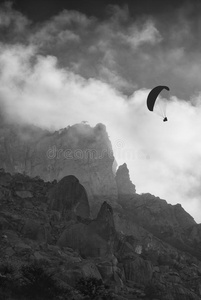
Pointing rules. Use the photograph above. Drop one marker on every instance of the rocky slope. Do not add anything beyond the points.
(170, 223)
(40, 224)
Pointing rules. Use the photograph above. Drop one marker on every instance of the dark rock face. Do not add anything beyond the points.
(112, 247)
(82, 238)
(150, 211)
(93, 239)
(68, 195)
(138, 270)
(125, 187)
(104, 223)
(170, 223)
(192, 237)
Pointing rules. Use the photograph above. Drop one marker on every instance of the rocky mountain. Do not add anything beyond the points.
(63, 209)
(40, 226)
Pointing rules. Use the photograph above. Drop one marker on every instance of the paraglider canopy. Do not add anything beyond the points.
(153, 99)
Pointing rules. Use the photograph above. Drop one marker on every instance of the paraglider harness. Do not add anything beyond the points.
(165, 119)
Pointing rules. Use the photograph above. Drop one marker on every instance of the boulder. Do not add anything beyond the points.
(69, 197)
(104, 223)
(82, 238)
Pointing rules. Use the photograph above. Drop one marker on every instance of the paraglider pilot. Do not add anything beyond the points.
(152, 97)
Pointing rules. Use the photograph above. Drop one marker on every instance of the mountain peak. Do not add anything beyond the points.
(124, 185)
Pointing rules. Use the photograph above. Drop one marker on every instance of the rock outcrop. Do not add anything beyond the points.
(125, 187)
(94, 238)
(68, 195)
(82, 238)
(104, 223)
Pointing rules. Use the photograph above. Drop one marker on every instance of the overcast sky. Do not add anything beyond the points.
(63, 62)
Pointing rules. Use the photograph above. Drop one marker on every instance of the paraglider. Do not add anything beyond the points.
(155, 103)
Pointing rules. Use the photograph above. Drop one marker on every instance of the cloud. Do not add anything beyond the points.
(148, 34)
(167, 155)
(60, 30)
(73, 68)
(99, 49)
(13, 25)
(127, 53)
(44, 94)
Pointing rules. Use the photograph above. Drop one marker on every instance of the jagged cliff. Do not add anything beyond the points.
(79, 150)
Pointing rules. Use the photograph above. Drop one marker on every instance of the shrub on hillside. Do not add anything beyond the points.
(92, 288)
(36, 283)
(8, 281)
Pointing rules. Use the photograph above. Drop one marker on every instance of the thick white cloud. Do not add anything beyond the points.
(44, 94)
(75, 68)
